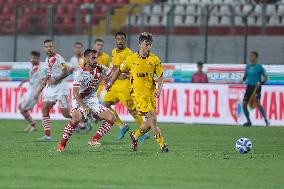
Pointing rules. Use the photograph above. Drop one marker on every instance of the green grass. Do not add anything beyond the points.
(200, 157)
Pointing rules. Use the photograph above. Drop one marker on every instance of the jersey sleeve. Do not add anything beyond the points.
(158, 68)
(262, 70)
(125, 66)
(61, 62)
(107, 60)
(78, 77)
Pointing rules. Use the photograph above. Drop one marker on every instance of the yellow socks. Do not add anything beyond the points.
(160, 140)
(138, 120)
(138, 133)
(118, 121)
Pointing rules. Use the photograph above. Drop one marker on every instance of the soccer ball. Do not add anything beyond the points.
(243, 145)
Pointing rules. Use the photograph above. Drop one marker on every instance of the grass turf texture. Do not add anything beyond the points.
(199, 157)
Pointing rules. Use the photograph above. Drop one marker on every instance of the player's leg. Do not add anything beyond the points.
(151, 118)
(24, 107)
(110, 99)
(69, 129)
(260, 107)
(108, 122)
(64, 105)
(46, 107)
(248, 93)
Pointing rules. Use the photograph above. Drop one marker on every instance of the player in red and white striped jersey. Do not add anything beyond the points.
(85, 102)
(37, 79)
(56, 89)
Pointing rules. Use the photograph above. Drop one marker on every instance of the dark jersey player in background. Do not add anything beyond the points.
(253, 77)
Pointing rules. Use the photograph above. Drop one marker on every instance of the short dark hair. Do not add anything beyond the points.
(145, 36)
(99, 40)
(255, 53)
(88, 51)
(78, 43)
(200, 63)
(35, 53)
(47, 41)
(120, 33)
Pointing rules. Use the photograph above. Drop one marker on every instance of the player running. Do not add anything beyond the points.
(85, 102)
(120, 90)
(56, 89)
(37, 79)
(253, 76)
(143, 66)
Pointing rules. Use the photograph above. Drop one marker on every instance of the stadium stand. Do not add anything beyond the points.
(188, 16)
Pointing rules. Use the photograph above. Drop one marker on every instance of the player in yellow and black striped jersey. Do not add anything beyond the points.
(142, 67)
(120, 91)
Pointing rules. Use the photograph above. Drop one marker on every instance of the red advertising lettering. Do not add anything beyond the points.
(197, 103)
(174, 104)
(216, 112)
(206, 113)
(187, 112)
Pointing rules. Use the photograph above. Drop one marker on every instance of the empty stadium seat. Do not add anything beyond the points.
(154, 21)
(281, 9)
(157, 9)
(213, 21)
(273, 21)
(238, 20)
(225, 21)
(28, 11)
(270, 9)
(178, 20)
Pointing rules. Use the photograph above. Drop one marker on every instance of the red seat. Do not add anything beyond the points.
(28, 11)
(11, 2)
(71, 10)
(89, 1)
(7, 10)
(44, 1)
(66, 1)
(61, 10)
(53, 2)
(2, 1)
(109, 1)
(78, 2)
(42, 11)
(121, 1)
(69, 21)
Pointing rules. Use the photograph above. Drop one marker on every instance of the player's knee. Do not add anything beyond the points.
(75, 120)
(66, 113)
(110, 117)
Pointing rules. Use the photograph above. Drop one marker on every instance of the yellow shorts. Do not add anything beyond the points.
(145, 104)
(120, 92)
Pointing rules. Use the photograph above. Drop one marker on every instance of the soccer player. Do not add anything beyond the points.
(77, 59)
(37, 79)
(120, 90)
(253, 78)
(85, 101)
(56, 89)
(103, 57)
(143, 66)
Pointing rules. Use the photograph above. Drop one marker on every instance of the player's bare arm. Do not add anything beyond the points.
(160, 87)
(65, 73)
(42, 85)
(24, 81)
(115, 74)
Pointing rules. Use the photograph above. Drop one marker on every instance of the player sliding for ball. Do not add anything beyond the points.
(143, 66)
(85, 102)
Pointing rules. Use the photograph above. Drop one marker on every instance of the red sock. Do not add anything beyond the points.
(68, 131)
(29, 119)
(46, 125)
(104, 128)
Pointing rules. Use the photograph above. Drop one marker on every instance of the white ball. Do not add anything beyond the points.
(243, 145)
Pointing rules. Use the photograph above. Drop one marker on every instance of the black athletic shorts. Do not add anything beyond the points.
(249, 91)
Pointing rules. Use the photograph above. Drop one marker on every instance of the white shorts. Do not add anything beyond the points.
(28, 101)
(50, 96)
(92, 103)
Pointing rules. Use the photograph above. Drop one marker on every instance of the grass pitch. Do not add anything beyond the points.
(200, 157)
